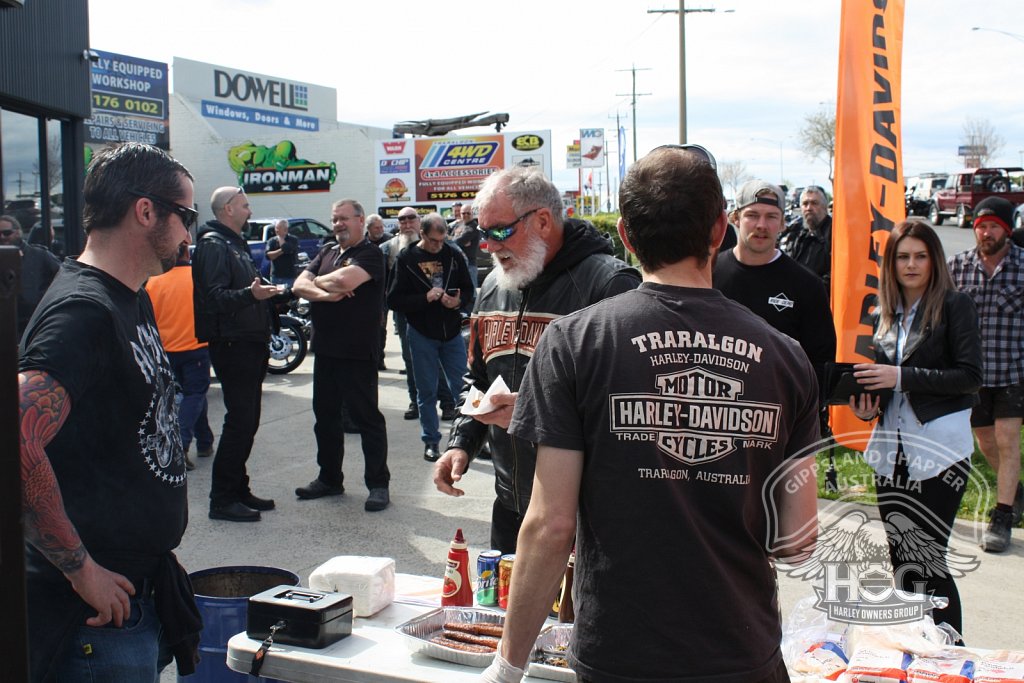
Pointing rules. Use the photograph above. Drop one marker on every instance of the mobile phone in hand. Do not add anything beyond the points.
(452, 292)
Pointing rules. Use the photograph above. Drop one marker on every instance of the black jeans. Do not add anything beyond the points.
(241, 367)
(932, 505)
(505, 524)
(350, 383)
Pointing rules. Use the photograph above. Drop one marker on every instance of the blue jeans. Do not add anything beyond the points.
(192, 373)
(132, 652)
(427, 354)
(444, 392)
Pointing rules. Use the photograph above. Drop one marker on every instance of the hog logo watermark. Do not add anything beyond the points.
(857, 545)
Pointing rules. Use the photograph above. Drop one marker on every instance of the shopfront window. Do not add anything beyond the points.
(55, 185)
(32, 177)
(19, 170)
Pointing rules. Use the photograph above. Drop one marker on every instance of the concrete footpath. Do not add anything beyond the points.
(416, 529)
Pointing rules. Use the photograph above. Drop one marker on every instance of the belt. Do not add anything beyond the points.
(144, 588)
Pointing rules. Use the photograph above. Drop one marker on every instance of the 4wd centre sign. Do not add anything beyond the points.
(449, 169)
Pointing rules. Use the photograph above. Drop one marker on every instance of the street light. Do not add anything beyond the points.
(682, 12)
(1015, 36)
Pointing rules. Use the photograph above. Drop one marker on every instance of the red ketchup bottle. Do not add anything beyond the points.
(457, 590)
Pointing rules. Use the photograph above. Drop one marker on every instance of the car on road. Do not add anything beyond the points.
(310, 233)
(920, 190)
(968, 187)
(1018, 216)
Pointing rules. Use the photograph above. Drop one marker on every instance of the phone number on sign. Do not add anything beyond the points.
(465, 194)
(122, 103)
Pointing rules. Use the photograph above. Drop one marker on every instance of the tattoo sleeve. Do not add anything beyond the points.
(44, 408)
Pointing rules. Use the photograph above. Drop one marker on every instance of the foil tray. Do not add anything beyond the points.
(551, 637)
(421, 629)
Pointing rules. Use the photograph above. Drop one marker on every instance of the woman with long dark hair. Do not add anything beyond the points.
(928, 352)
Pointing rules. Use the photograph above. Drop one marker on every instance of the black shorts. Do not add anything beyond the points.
(997, 402)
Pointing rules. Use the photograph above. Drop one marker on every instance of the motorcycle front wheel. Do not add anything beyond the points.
(287, 348)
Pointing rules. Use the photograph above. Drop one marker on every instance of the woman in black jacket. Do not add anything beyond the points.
(928, 352)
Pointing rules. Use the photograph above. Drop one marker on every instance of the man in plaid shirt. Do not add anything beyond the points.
(993, 275)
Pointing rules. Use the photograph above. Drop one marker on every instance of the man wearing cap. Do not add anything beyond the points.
(808, 239)
(770, 283)
(993, 275)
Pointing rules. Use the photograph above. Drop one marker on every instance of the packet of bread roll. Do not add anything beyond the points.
(479, 403)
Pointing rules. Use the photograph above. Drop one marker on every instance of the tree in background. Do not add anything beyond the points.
(982, 140)
(733, 174)
(818, 138)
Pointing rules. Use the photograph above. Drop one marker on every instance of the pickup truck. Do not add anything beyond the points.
(968, 187)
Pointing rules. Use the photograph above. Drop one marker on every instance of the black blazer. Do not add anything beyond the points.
(941, 366)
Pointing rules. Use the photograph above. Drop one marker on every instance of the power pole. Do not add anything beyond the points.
(633, 95)
(682, 12)
(613, 189)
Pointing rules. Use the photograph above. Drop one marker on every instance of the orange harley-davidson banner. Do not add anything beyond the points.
(868, 179)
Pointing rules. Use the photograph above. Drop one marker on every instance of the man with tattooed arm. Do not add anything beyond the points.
(102, 466)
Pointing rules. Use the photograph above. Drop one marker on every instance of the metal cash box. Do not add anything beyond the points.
(312, 618)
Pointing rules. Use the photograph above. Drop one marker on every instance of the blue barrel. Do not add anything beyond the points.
(222, 595)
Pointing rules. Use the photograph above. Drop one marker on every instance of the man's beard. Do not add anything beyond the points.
(812, 224)
(525, 267)
(404, 240)
(993, 247)
(157, 239)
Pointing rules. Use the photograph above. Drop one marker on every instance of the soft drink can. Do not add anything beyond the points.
(505, 579)
(487, 577)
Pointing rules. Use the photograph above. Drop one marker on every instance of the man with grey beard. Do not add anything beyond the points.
(808, 239)
(545, 267)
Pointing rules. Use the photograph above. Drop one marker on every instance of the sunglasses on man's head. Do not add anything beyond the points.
(500, 233)
(403, 219)
(695, 149)
(6, 233)
(188, 215)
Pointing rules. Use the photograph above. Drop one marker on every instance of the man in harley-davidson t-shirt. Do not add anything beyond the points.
(675, 423)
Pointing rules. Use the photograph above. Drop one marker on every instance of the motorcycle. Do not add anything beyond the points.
(289, 345)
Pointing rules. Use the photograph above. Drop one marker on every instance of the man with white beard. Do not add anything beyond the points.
(545, 267)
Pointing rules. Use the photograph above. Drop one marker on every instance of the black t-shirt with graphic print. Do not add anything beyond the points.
(118, 457)
(788, 296)
(684, 404)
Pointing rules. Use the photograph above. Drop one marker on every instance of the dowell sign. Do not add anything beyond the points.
(248, 88)
(232, 96)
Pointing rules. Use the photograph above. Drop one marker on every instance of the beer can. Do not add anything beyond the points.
(505, 579)
(487, 577)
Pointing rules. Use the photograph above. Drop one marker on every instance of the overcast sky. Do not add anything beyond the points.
(752, 74)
